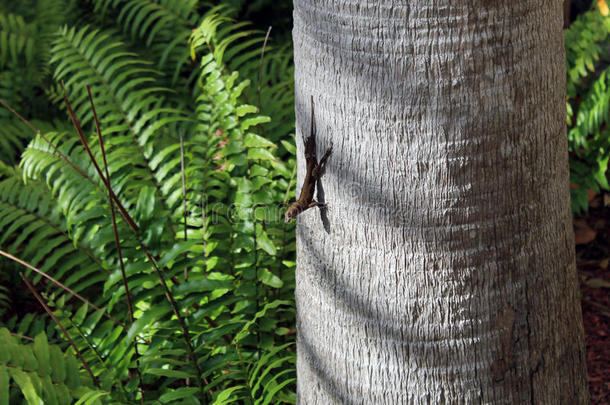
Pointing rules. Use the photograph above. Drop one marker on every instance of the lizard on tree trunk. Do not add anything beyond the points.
(314, 171)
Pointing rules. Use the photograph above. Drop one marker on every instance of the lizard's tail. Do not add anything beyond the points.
(310, 142)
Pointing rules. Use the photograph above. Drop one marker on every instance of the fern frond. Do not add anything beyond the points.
(163, 25)
(220, 246)
(72, 191)
(17, 41)
(584, 46)
(35, 230)
(5, 300)
(593, 113)
(42, 373)
(14, 135)
(134, 117)
(588, 103)
(240, 50)
(24, 52)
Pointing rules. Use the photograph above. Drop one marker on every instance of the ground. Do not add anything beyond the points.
(592, 254)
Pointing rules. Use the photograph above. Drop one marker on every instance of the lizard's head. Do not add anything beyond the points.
(291, 212)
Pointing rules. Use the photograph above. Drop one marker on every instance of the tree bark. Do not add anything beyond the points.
(443, 269)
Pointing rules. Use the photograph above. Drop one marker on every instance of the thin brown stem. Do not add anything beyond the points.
(183, 177)
(141, 151)
(284, 233)
(203, 228)
(117, 240)
(55, 149)
(260, 84)
(22, 337)
(59, 284)
(151, 259)
(128, 219)
(81, 135)
(185, 330)
(25, 121)
(213, 324)
(260, 68)
(287, 196)
(65, 332)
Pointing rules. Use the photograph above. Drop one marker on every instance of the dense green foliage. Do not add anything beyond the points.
(42, 373)
(204, 262)
(25, 74)
(588, 94)
(197, 135)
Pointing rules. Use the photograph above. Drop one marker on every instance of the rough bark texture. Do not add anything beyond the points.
(443, 270)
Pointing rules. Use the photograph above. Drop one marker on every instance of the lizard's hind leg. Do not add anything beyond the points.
(317, 204)
(319, 169)
(329, 152)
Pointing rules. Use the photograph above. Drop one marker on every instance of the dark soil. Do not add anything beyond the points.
(592, 261)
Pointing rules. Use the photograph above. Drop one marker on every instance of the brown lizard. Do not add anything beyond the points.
(314, 171)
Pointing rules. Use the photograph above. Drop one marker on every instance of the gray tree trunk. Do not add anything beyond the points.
(443, 270)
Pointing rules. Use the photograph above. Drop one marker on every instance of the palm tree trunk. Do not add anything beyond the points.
(443, 270)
